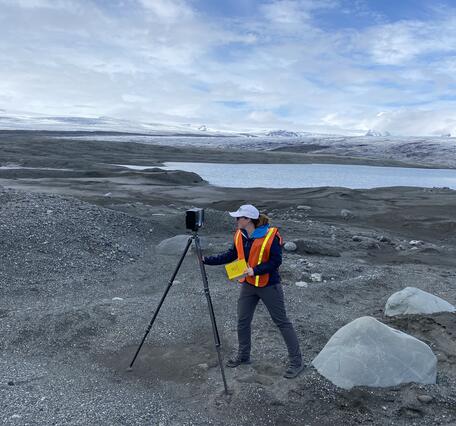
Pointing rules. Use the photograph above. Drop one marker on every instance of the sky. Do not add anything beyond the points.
(332, 66)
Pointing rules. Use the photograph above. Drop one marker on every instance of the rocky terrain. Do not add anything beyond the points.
(81, 276)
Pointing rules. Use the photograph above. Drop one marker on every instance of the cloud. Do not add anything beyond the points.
(416, 122)
(169, 11)
(286, 12)
(40, 4)
(171, 60)
(400, 42)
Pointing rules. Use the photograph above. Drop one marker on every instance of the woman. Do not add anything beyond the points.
(260, 245)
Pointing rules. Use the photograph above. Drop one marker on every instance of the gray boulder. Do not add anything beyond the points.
(176, 245)
(412, 300)
(367, 352)
(315, 247)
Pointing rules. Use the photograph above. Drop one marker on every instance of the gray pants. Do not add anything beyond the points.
(272, 297)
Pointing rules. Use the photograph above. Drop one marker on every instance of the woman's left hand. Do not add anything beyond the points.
(249, 271)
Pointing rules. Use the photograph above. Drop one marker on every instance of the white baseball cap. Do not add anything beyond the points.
(246, 210)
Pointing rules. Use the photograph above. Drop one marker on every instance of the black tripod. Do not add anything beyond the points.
(195, 238)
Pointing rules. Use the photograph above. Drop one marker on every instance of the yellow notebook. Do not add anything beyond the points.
(235, 269)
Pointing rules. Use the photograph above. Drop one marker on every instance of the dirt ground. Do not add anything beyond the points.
(81, 276)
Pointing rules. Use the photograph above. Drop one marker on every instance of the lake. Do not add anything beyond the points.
(312, 175)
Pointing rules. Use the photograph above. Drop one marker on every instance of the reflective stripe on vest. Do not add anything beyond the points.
(260, 257)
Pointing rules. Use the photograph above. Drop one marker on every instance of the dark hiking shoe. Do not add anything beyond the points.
(294, 371)
(235, 362)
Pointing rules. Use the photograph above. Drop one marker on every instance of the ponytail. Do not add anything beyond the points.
(261, 221)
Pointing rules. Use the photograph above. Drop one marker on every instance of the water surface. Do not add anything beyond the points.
(312, 175)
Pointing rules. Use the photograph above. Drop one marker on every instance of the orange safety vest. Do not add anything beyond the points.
(259, 253)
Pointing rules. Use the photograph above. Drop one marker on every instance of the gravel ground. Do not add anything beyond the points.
(79, 284)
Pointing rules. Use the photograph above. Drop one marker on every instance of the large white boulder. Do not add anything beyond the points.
(367, 352)
(412, 300)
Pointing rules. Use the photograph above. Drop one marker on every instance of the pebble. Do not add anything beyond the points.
(346, 214)
(424, 398)
(290, 246)
(316, 277)
(384, 239)
(301, 284)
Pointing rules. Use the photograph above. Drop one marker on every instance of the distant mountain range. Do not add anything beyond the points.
(283, 133)
(372, 132)
(32, 121)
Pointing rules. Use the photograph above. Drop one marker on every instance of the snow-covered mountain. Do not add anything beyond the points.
(376, 133)
(282, 133)
(12, 120)
(32, 121)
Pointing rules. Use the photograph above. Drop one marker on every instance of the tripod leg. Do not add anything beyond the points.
(211, 310)
(189, 242)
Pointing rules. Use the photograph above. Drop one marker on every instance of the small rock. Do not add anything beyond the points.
(117, 298)
(304, 208)
(384, 239)
(108, 194)
(290, 246)
(204, 366)
(416, 243)
(316, 277)
(346, 214)
(357, 238)
(301, 284)
(49, 211)
(426, 399)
